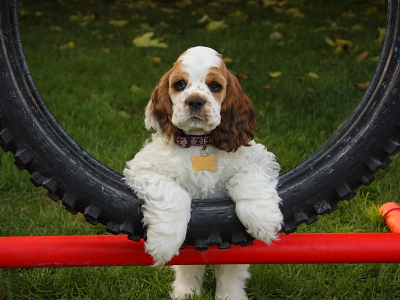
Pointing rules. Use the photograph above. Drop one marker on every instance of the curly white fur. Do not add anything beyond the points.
(161, 174)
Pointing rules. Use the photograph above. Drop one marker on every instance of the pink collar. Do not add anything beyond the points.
(185, 141)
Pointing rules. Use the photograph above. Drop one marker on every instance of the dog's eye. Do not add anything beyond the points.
(180, 85)
(214, 87)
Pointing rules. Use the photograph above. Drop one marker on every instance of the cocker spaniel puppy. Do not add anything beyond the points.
(203, 148)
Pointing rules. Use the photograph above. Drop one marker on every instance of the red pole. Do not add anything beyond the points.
(108, 250)
(390, 211)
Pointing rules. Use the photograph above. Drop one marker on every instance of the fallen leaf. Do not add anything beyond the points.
(268, 3)
(68, 45)
(330, 42)
(344, 45)
(87, 18)
(214, 25)
(381, 37)
(349, 14)
(375, 59)
(204, 19)
(183, 3)
(238, 15)
(155, 59)
(163, 24)
(372, 10)
(362, 56)
(295, 13)
(313, 75)
(242, 75)
(124, 114)
(279, 25)
(275, 74)
(145, 26)
(363, 86)
(357, 27)
(227, 60)
(267, 87)
(276, 36)
(134, 88)
(146, 40)
(118, 23)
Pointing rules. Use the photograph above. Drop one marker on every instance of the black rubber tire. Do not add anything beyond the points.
(55, 161)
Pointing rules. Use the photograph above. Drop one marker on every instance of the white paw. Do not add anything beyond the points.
(263, 220)
(181, 296)
(162, 247)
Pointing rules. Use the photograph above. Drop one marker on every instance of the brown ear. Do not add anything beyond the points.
(159, 109)
(238, 121)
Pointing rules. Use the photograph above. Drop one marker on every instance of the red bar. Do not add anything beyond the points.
(108, 250)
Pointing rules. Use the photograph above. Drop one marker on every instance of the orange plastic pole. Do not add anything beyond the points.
(390, 211)
(108, 250)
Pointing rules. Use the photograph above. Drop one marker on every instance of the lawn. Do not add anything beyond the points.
(304, 64)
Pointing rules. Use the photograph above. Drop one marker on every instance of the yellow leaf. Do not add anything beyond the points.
(330, 42)
(344, 45)
(372, 10)
(124, 114)
(295, 13)
(267, 87)
(238, 15)
(363, 85)
(118, 23)
(381, 37)
(135, 88)
(242, 75)
(275, 74)
(227, 60)
(214, 25)
(155, 59)
(348, 13)
(145, 41)
(362, 56)
(276, 36)
(270, 3)
(204, 19)
(313, 75)
(68, 45)
(279, 25)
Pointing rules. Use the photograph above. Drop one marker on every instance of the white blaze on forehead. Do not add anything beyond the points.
(197, 61)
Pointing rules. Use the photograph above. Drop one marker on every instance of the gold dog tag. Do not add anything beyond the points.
(204, 162)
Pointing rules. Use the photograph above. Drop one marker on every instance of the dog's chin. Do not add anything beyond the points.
(195, 125)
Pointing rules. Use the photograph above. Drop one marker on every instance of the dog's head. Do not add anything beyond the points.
(199, 96)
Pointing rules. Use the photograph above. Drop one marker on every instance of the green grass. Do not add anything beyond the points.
(98, 90)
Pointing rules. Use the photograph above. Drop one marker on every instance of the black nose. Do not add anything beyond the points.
(195, 103)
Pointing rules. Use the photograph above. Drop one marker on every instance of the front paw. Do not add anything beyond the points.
(262, 220)
(162, 247)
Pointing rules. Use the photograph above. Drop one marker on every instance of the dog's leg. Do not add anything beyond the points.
(188, 281)
(231, 282)
(166, 210)
(257, 202)
(166, 215)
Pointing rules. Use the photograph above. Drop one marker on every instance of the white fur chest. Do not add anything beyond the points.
(175, 163)
(203, 183)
